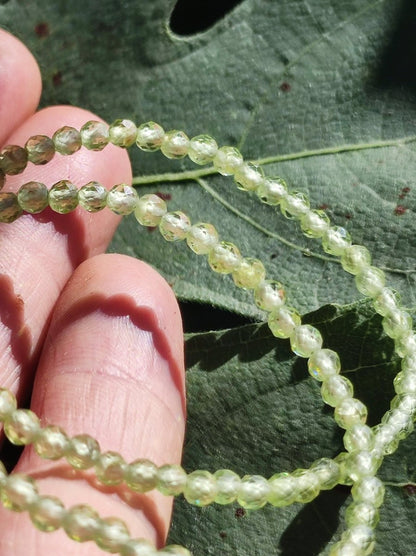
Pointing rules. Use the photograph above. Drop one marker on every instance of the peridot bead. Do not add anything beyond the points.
(307, 485)
(67, 140)
(10, 209)
(227, 160)
(405, 344)
(327, 471)
(8, 403)
(335, 240)
(250, 274)
(138, 547)
(269, 295)
(386, 302)
(51, 443)
(175, 550)
(249, 177)
(370, 281)
(364, 464)
(150, 136)
(112, 534)
(228, 484)
(83, 451)
(283, 490)
(385, 439)
(202, 149)
(361, 513)
(406, 403)
(93, 196)
(149, 210)
(342, 460)
(355, 259)
(95, 135)
(175, 144)
(109, 468)
(349, 412)
(22, 427)
(81, 523)
(63, 197)
(174, 226)
(283, 321)
(370, 490)
(122, 199)
(314, 223)
(305, 340)
(402, 423)
(200, 488)
(359, 437)
(336, 388)
(13, 159)
(253, 492)
(171, 480)
(404, 382)
(122, 133)
(224, 258)
(324, 363)
(361, 536)
(294, 205)
(33, 197)
(201, 238)
(19, 492)
(344, 548)
(272, 190)
(40, 149)
(141, 475)
(47, 513)
(397, 323)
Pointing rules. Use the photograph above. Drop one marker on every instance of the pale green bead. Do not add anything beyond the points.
(361, 513)
(175, 550)
(364, 464)
(227, 160)
(83, 451)
(112, 534)
(138, 547)
(92, 196)
(406, 403)
(307, 485)
(401, 423)
(342, 460)
(19, 492)
(253, 492)
(174, 226)
(249, 274)
(10, 209)
(269, 295)
(122, 133)
(40, 149)
(327, 471)
(8, 403)
(294, 205)
(283, 490)
(175, 144)
(149, 137)
(386, 302)
(405, 344)
(324, 363)
(305, 340)
(122, 199)
(200, 489)
(283, 321)
(359, 437)
(405, 383)
(248, 177)
(51, 443)
(67, 140)
(149, 210)
(228, 484)
(224, 258)
(349, 412)
(370, 490)
(95, 135)
(201, 238)
(355, 258)
(335, 389)
(171, 479)
(314, 223)
(33, 197)
(409, 362)
(272, 190)
(362, 536)
(335, 240)
(109, 468)
(396, 324)
(22, 427)
(385, 439)
(47, 513)
(81, 523)
(3, 475)
(370, 281)
(13, 160)
(345, 549)
(141, 475)
(202, 149)
(63, 197)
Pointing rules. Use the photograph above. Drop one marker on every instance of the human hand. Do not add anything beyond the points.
(94, 339)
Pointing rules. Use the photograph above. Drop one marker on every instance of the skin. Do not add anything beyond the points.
(93, 340)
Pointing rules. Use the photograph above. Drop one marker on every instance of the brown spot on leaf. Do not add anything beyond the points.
(151, 228)
(400, 210)
(285, 87)
(42, 30)
(410, 490)
(57, 79)
(223, 534)
(164, 196)
(404, 192)
(240, 512)
(324, 206)
(348, 216)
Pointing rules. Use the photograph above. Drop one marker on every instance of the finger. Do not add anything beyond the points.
(39, 253)
(20, 84)
(112, 367)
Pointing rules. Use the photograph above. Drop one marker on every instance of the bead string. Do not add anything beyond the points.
(365, 447)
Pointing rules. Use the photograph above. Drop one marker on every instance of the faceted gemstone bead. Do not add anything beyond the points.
(63, 197)
(83, 451)
(269, 295)
(175, 550)
(294, 205)
(47, 513)
(67, 140)
(405, 344)
(361, 513)
(171, 480)
(95, 135)
(122, 133)
(22, 427)
(349, 412)
(324, 363)
(344, 548)
(228, 484)
(8, 403)
(283, 321)
(175, 144)
(10, 209)
(386, 302)
(174, 226)
(272, 190)
(385, 439)
(40, 149)
(200, 489)
(201, 238)
(359, 437)
(355, 259)
(361, 536)
(51, 443)
(342, 460)
(305, 340)
(335, 240)
(138, 547)
(109, 468)
(149, 210)
(202, 149)
(397, 323)
(13, 159)
(112, 534)
(336, 388)
(122, 199)
(283, 489)
(141, 475)
(370, 490)
(227, 160)
(327, 471)
(364, 464)
(404, 382)
(93, 196)
(370, 281)
(224, 258)
(150, 136)
(81, 523)
(249, 177)
(19, 492)
(33, 197)
(406, 403)
(253, 492)
(314, 223)
(402, 423)
(250, 274)
(307, 485)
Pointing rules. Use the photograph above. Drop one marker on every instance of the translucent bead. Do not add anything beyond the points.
(13, 159)
(294, 205)
(363, 464)
(369, 490)
(81, 523)
(385, 439)
(409, 362)
(345, 549)
(201, 238)
(40, 149)
(406, 403)
(253, 492)
(200, 489)
(112, 534)
(305, 340)
(141, 475)
(83, 451)
(171, 480)
(227, 160)
(228, 484)
(361, 513)
(149, 210)
(47, 513)
(401, 423)
(405, 344)
(396, 324)
(272, 190)
(359, 437)
(269, 295)
(67, 140)
(362, 536)
(9, 208)
(175, 144)
(335, 389)
(283, 322)
(8, 403)
(404, 382)
(174, 226)
(22, 427)
(202, 149)
(349, 412)
(19, 492)
(335, 240)
(63, 197)
(175, 550)
(283, 490)
(355, 259)
(150, 136)
(51, 443)
(3, 475)
(307, 485)
(93, 196)
(33, 197)
(342, 460)
(109, 468)
(386, 302)
(224, 258)
(324, 363)
(122, 133)
(314, 223)
(370, 281)
(95, 135)
(138, 547)
(327, 471)
(248, 177)
(122, 199)
(249, 274)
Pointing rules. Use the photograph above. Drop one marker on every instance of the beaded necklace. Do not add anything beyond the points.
(365, 447)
